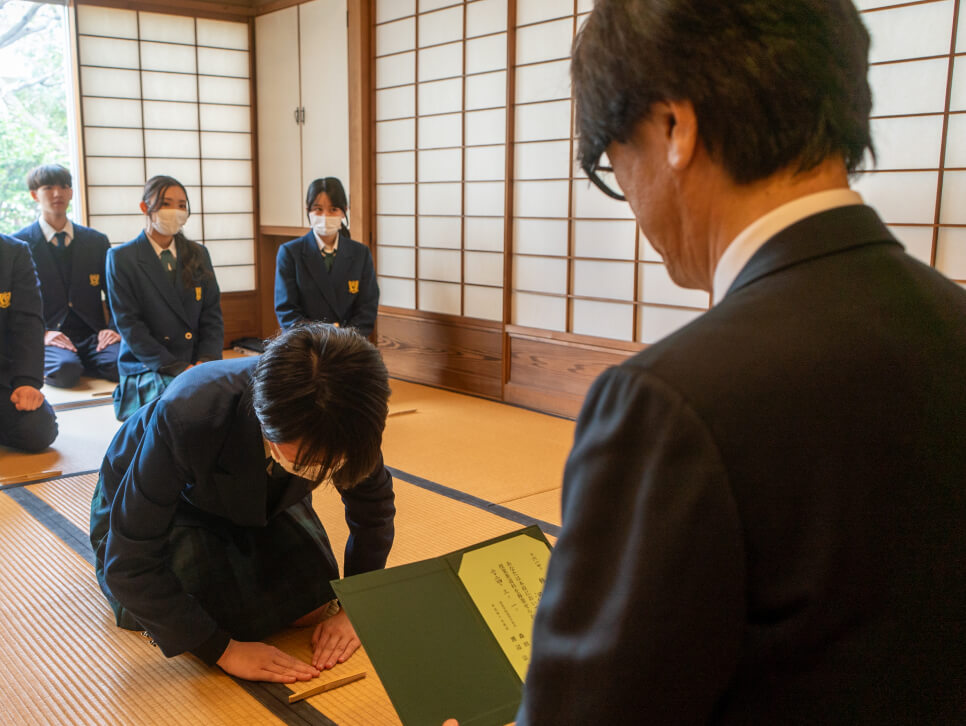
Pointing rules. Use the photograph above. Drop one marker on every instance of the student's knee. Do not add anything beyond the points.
(34, 430)
(64, 373)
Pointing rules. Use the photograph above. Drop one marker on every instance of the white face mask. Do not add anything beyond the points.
(309, 472)
(324, 225)
(169, 221)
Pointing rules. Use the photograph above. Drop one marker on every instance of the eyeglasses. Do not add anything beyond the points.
(604, 179)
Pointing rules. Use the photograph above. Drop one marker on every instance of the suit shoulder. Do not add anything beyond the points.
(14, 244)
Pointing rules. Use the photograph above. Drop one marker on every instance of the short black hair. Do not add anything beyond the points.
(328, 389)
(774, 83)
(48, 175)
(333, 188)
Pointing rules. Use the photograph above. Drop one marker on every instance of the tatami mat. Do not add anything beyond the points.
(64, 662)
(83, 436)
(497, 452)
(87, 392)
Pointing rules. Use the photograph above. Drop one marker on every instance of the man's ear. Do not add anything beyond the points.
(33, 194)
(682, 133)
(144, 207)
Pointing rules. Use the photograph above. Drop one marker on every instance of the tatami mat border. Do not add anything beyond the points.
(54, 521)
(498, 509)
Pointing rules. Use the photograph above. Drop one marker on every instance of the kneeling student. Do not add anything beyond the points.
(202, 521)
(70, 263)
(27, 422)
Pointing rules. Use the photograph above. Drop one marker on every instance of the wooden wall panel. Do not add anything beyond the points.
(552, 373)
(240, 312)
(442, 351)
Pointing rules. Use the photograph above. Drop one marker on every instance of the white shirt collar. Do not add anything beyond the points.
(321, 244)
(49, 231)
(752, 237)
(158, 249)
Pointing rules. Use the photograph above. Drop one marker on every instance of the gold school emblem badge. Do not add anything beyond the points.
(95, 280)
(4, 299)
(198, 294)
(353, 287)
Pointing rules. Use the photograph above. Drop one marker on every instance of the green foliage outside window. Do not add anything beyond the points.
(33, 102)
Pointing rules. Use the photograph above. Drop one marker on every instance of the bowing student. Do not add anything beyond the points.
(202, 521)
(27, 422)
(165, 299)
(325, 275)
(70, 262)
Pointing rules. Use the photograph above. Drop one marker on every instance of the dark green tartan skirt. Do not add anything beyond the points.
(132, 392)
(253, 581)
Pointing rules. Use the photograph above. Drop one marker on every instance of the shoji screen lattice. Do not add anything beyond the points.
(918, 77)
(169, 94)
(440, 77)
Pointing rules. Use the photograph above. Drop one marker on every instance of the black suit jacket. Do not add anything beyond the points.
(304, 290)
(162, 325)
(201, 444)
(764, 513)
(88, 281)
(21, 317)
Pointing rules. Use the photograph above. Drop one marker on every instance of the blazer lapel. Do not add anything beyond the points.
(47, 269)
(151, 266)
(312, 258)
(821, 234)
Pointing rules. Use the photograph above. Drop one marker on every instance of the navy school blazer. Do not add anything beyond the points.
(88, 281)
(201, 444)
(161, 324)
(348, 295)
(21, 317)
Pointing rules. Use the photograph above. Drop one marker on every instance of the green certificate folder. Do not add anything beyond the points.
(450, 636)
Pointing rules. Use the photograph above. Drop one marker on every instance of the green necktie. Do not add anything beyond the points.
(329, 259)
(61, 240)
(168, 263)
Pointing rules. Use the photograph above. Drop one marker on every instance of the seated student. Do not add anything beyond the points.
(165, 300)
(27, 421)
(70, 264)
(325, 275)
(202, 521)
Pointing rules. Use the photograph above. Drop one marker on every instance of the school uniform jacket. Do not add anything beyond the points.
(21, 317)
(83, 292)
(304, 290)
(201, 443)
(161, 324)
(764, 513)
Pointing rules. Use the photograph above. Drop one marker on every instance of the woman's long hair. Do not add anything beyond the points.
(193, 268)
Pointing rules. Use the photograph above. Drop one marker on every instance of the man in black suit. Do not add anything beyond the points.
(70, 263)
(763, 513)
(27, 422)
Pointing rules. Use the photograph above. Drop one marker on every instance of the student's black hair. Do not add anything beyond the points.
(333, 188)
(192, 256)
(775, 84)
(48, 175)
(328, 389)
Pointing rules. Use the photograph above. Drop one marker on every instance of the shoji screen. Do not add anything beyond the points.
(440, 78)
(918, 78)
(580, 264)
(169, 94)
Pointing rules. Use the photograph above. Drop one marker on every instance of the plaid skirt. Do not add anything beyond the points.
(253, 581)
(134, 391)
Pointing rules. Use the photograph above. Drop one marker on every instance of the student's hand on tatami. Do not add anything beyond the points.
(26, 398)
(106, 337)
(59, 340)
(262, 662)
(334, 640)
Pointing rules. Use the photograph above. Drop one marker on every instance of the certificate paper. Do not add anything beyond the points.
(505, 581)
